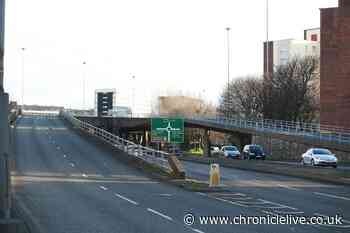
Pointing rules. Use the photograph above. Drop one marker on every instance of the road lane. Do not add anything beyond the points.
(303, 194)
(113, 197)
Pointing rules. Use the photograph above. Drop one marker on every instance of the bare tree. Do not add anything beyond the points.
(291, 93)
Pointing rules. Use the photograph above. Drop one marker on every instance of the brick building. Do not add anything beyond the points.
(335, 65)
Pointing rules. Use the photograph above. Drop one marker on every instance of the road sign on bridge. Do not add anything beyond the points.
(169, 130)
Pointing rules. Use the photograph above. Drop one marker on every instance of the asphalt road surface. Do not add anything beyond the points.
(68, 184)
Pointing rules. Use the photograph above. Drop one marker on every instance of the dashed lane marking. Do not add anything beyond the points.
(159, 214)
(126, 199)
(103, 188)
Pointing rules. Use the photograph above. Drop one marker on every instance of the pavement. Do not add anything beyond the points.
(68, 184)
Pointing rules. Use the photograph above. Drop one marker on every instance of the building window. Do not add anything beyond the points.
(314, 37)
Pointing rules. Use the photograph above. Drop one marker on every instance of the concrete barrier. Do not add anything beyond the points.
(176, 166)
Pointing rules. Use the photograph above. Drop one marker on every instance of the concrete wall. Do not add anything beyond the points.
(290, 151)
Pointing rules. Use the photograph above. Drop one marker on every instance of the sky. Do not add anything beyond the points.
(170, 46)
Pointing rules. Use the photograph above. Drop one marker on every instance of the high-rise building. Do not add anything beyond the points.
(282, 51)
(335, 65)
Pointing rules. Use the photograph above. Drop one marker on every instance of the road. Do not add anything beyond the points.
(70, 184)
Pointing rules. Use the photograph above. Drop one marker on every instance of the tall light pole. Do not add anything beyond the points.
(22, 81)
(267, 39)
(84, 83)
(228, 67)
(133, 96)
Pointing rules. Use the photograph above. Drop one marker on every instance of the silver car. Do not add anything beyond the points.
(231, 152)
(319, 157)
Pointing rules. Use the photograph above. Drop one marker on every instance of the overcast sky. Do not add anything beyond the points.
(169, 45)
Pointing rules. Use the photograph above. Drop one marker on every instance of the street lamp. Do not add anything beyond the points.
(84, 81)
(22, 83)
(228, 67)
(133, 96)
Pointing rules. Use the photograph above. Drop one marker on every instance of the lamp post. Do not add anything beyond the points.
(133, 96)
(22, 81)
(84, 83)
(228, 68)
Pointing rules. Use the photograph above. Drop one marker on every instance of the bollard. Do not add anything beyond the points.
(214, 175)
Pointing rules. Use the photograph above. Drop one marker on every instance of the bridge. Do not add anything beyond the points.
(309, 134)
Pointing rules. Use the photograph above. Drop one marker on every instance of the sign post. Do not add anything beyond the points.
(170, 130)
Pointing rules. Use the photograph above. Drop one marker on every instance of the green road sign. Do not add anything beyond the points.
(169, 130)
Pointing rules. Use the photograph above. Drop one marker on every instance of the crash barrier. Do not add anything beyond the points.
(41, 114)
(149, 155)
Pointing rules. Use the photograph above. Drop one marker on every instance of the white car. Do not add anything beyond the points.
(319, 156)
(214, 150)
(231, 152)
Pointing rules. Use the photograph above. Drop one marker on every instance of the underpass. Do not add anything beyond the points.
(65, 182)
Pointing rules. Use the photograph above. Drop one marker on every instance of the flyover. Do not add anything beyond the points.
(308, 134)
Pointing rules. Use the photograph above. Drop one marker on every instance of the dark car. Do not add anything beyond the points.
(253, 152)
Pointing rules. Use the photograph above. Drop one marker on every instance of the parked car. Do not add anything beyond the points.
(230, 152)
(319, 157)
(214, 150)
(253, 152)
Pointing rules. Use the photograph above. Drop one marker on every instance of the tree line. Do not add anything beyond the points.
(290, 92)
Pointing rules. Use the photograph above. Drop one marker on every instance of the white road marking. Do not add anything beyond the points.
(196, 230)
(202, 194)
(84, 175)
(287, 187)
(72, 164)
(289, 212)
(332, 196)
(278, 204)
(64, 156)
(159, 214)
(126, 199)
(165, 195)
(103, 188)
(231, 202)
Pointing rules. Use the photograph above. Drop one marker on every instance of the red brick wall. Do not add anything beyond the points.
(344, 3)
(335, 65)
(343, 67)
(328, 87)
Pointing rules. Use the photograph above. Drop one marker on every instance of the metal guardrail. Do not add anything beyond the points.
(149, 155)
(41, 114)
(307, 131)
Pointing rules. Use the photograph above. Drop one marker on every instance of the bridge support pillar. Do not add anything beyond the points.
(5, 193)
(206, 143)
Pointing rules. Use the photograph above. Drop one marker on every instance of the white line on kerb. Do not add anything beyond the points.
(159, 214)
(332, 196)
(126, 199)
(103, 188)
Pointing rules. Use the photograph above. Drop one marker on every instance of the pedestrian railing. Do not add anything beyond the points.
(149, 155)
(308, 131)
